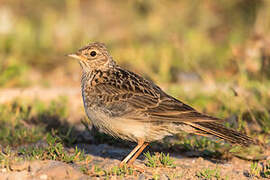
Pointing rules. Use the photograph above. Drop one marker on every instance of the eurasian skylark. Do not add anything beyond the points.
(127, 106)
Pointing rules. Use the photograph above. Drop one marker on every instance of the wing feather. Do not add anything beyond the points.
(142, 100)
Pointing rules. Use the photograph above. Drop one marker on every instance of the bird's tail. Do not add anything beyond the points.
(220, 131)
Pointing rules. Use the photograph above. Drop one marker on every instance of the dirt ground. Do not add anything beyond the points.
(106, 156)
(103, 155)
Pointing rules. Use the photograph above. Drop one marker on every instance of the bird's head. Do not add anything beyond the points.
(93, 56)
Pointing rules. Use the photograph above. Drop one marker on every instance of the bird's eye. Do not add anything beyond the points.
(93, 53)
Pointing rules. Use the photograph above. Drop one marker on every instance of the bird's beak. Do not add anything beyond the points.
(76, 56)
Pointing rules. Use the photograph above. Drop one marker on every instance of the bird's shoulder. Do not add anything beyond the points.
(120, 80)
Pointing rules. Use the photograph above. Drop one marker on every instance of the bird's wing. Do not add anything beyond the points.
(130, 96)
(173, 110)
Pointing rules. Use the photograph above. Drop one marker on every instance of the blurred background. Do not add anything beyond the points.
(214, 55)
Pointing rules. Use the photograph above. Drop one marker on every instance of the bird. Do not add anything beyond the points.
(125, 105)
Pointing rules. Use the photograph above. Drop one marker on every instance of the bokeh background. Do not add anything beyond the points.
(214, 55)
(167, 41)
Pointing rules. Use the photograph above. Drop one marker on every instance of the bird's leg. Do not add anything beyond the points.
(130, 162)
(140, 143)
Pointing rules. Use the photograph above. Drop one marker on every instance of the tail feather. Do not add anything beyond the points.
(222, 132)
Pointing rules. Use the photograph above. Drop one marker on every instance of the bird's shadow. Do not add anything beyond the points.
(105, 146)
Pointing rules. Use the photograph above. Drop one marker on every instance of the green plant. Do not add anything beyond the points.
(260, 170)
(156, 177)
(14, 129)
(159, 160)
(120, 171)
(266, 169)
(255, 169)
(208, 173)
(54, 151)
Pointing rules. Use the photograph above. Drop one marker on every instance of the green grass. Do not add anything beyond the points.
(23, 124)
(14, 130)
(7, 157)
(255, 169)
(208, 173)
(158, 160)
(54, 151)
(119, 171)
(107, 173)
(260, 170)
(266, 169)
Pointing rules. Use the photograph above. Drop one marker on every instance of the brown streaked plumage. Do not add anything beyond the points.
(127, 106)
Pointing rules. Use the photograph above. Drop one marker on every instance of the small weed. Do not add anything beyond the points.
(13, 129)
(152, 161)
(159, 160)
(156, 177)
(260, 170)
(84, 169)
(54, 151)
(5, 157)
(8, 156)
(23, 122)
(166, 160)
(266, 169)
(94, 171)
(208, 147)
(176, 175)
(116, 170)
(209, 173)
(255, 169)
(97, 171)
